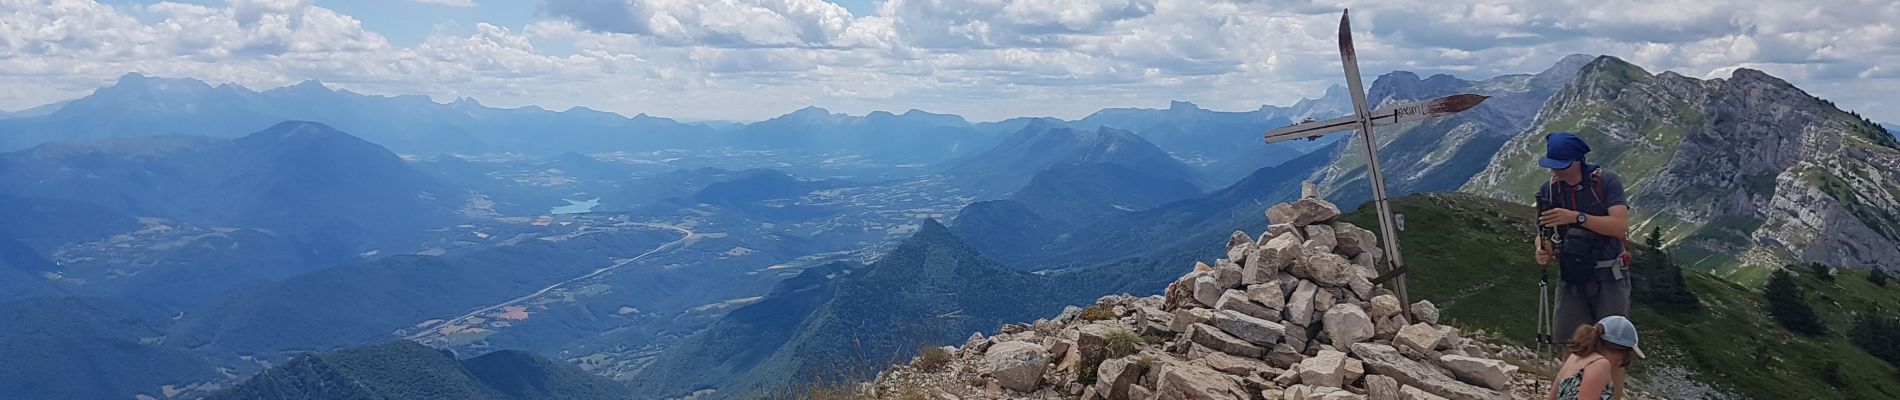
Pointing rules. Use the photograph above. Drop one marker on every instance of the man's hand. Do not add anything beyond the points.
(1556, 217)
(1543, 253)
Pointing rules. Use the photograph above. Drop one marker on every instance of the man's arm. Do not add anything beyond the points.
(1616, 225)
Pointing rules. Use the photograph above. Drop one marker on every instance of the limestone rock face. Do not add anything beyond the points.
(1275, 255)
(1214, 338)
(1380, 387)
(1237, 300)
(1489, 373)
(1017, 365)
(1329, 269)
(1328, 368)
(1207, 290)
(1302, 212)
(1319, 239)
(1239, 246)
(1184, 318)
(1383, 306)
(1269, 295)
(1183, 381)
(1299, 307)
(1425, 312)
(1252, 329)
(1350, 241)
(1115, 376)
(1420, 337)
(1386, 360)
(1346, 324)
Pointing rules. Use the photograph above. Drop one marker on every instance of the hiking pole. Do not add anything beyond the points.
(1545, 341)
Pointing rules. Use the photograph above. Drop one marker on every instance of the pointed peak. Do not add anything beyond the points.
(132, 77)
(1576, 60)
(932, 226)
(1609, 63)
(1612, 71)
(1564, 71)
(1335, 90)
(294, 129)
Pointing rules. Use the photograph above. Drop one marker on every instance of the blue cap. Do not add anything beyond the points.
(1561, 149)
(1618, 330)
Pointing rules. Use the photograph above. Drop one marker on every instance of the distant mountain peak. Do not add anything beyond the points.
(932, 227)
(132, 77)
(138, 80)
(1611, 64)
(1754, 75)
(1177, 105)
(303, 133)
(810, 111)
(1571, 63)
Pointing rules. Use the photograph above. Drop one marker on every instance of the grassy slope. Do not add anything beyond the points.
(1470, 255)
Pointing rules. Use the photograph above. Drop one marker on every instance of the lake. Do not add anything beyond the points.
(576, 207)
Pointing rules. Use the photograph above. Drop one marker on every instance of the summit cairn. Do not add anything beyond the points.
(1289, 314)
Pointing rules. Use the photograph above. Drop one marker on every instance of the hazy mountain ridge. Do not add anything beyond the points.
(1012, 162)
(406, 370)
(1442, 154)
(295, 178)
(931, 288)
(91, 348)
(138, 105)
(1058, 200)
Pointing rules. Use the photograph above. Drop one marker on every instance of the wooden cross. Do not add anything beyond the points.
(1363, 120)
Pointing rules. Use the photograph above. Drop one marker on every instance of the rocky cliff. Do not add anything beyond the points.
(1291, 315)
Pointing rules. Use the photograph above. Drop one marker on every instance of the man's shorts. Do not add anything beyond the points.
(1579, 304)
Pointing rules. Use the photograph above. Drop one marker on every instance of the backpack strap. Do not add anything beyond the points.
(1596, 185)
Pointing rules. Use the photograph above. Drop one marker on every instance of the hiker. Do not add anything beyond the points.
(1584, 225)
(1597, 361)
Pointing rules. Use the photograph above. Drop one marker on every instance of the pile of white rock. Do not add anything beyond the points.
(1290, 315)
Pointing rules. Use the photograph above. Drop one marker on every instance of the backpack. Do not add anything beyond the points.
(1577, 259)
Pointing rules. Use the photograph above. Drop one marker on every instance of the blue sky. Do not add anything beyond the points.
(986, 59)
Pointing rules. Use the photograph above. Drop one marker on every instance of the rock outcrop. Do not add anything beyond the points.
(1286, 317)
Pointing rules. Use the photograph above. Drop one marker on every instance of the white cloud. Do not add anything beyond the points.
(988, 59)
(450, 3)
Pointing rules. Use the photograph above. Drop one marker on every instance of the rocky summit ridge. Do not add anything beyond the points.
(1291, 314)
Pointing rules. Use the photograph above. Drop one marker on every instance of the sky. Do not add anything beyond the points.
(984, 59)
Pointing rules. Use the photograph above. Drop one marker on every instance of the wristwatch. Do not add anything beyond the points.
(1581, 217)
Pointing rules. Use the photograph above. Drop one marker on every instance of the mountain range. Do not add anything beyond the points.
(137, 105)
(178, 254)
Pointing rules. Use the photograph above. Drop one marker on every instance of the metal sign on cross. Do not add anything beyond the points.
(1364, 119)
